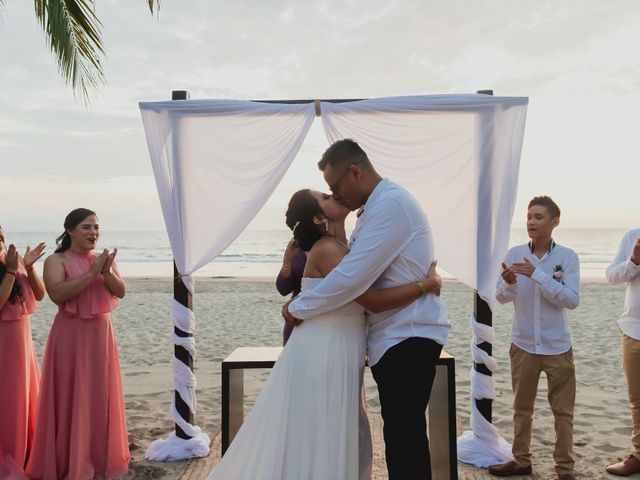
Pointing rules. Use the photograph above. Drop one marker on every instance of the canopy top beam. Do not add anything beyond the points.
(184, 95)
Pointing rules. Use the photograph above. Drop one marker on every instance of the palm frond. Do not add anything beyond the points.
(72, 30)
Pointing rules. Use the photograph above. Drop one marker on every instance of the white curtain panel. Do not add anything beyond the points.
(215, 162)
(459, 155)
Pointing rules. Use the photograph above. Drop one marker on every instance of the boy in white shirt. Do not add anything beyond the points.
(542, 279)
(625, 268)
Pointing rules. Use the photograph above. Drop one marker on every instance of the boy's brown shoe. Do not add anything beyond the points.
(625, 468)
(508, 469)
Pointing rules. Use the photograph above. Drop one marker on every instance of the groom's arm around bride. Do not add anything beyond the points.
(390, 246)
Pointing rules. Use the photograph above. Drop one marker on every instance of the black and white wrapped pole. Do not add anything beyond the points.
(482, 446)
(187, 441)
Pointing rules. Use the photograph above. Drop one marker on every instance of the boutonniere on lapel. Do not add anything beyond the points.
(558, 274)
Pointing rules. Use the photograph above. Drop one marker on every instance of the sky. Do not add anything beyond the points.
(576, 60)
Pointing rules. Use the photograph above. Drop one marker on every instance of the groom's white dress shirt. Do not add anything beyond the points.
(391, 245)
(621, 270)
(540, 324)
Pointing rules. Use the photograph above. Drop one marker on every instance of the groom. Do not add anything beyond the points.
(390, 245)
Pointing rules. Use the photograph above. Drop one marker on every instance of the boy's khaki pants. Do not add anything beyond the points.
(561, 379)
(631, 363)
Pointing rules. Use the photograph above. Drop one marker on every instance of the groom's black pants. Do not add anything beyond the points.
(405, 376)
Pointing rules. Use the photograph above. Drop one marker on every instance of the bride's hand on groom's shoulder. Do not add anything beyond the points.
(288, 317)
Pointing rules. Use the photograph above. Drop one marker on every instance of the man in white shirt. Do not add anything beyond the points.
(625, 268)
(542, 279)
(391, 245)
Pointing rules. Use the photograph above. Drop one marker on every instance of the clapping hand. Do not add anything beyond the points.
(32, 256)
(508, 274)
(635, 255)
(525, 268)
(109, 262)
(11, 259)
(99, 262)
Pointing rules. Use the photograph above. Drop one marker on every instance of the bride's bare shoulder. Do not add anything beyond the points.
(325, 255)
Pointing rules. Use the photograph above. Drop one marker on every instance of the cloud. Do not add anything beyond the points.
(252, 49)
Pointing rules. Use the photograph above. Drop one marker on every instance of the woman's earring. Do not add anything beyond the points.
(326, 225)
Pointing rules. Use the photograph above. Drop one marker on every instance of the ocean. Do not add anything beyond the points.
(259, 253)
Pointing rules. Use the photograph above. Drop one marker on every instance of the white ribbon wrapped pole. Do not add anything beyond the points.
(184, 383)
(483, 446)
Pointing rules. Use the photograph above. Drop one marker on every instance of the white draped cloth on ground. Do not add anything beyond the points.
(216, 162)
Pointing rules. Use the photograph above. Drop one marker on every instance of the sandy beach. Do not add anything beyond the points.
(245, 312)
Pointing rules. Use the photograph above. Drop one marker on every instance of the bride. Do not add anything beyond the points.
(308, 421)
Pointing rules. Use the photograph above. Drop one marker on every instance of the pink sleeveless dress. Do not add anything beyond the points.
(81, 430)
(19, 380)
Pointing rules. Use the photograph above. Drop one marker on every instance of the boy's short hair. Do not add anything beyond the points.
(545, 201)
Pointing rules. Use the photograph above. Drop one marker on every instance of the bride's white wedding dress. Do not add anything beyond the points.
(308, 421)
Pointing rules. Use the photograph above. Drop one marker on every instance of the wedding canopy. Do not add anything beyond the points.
(216, 162)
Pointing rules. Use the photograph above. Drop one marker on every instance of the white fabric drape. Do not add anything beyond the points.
(215, 162)
(459, 155)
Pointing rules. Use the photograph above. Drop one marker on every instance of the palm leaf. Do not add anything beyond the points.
(73, 34)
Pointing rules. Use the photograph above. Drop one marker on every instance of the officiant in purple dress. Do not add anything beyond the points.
(290, 278)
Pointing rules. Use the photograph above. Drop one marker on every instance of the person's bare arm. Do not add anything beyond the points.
(29, 259)
(60, 290)
(11, 265)
(377, 300)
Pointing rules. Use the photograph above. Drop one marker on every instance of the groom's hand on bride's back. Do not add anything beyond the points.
(288, 317)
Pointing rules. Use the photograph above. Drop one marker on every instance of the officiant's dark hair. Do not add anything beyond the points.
(342, 152)
(546, 202)
(299, 218)
(71, 221)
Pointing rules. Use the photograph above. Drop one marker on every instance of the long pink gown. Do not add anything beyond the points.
(81, 430)
(19, 380)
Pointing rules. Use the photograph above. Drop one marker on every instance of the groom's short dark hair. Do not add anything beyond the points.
(345, 151)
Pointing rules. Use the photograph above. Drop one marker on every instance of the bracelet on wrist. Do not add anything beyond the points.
(10, 273)
(421, 287)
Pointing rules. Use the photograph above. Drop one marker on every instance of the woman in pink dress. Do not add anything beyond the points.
(81, 430)
(20, 287)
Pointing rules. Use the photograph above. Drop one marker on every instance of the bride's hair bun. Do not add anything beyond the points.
(299, 218)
